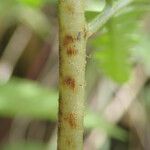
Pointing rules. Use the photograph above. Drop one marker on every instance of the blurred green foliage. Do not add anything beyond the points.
(24, 146)
(94, 5)
(114, 46)
(20, 97)
(95, 120)
(142, 52)
(33, 3)
(23, 12)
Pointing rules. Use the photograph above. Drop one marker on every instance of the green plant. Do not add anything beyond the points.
(117, 48)
(73, 34)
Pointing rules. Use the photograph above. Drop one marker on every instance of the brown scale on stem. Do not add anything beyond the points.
(71, 51)
(72, 120)
(68, 40)
(70, 82)
(68, 142)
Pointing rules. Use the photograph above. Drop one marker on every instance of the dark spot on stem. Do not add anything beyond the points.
(68, 142)
(71, 51)
(68, 40)
(72, 120)
(70, 82)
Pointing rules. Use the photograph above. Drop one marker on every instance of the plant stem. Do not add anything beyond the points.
(72, 43)
(102, 18)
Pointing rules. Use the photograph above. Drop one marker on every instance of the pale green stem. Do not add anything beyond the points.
(101, 19)
(72, 45)
(73, 33)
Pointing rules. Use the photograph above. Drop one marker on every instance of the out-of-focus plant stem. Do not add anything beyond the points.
(13, 51)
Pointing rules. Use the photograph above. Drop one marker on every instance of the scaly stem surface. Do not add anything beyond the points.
(72, 43)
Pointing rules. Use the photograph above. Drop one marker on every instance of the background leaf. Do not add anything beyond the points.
(114, 46)
(25, 98)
